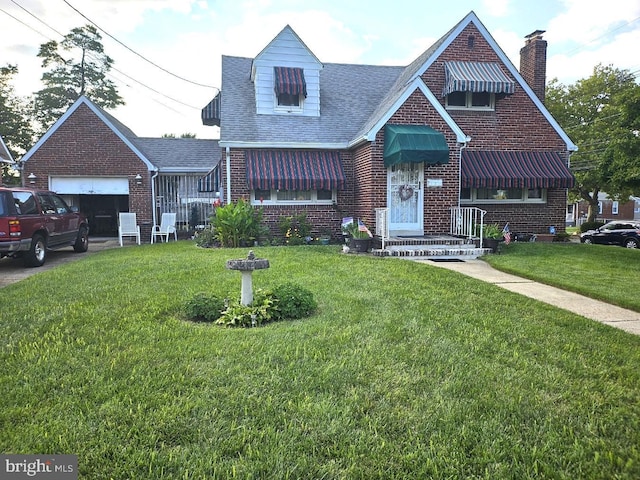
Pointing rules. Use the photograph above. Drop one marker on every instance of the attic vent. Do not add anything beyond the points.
(471, 41)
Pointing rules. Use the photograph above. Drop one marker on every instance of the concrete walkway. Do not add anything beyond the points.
(624, 319)
(13, 270)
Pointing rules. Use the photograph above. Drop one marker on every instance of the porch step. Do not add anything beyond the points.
(444, 252)
(441, 247)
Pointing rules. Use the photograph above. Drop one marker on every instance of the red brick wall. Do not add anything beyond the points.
(321, 217)
(84, 146)
(516, 124)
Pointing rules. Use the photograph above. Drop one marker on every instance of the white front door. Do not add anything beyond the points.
(405, 199)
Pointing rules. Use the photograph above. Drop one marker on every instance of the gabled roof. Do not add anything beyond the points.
(118, 128)
(287, 31)
(349, 94)
(182, 155)
(5, 154)
(356, 101)
(427, 58)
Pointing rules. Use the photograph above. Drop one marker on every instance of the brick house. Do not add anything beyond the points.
(99, 165)
(458, 128)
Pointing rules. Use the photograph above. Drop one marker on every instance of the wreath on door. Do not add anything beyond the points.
(405, 192)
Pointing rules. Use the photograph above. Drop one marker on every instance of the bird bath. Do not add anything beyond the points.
(246, 266)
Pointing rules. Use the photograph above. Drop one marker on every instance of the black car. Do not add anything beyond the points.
(625, 233)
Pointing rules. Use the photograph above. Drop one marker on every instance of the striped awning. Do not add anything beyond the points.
(210, 182)
(289, 80)
(476, 77)
(506, 169)
(211, 113)
(294, 170)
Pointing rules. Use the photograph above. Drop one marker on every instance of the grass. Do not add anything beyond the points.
(603, 272)
(406, 371)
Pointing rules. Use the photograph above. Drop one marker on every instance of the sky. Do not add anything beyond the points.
(167, 53)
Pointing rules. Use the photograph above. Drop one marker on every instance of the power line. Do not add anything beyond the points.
(95, 59)
(136, 53)
(580, 47)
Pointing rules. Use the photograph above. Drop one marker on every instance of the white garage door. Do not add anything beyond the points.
(90, 185)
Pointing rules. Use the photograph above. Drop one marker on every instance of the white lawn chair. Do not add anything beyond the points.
(166, 227)
(128, 227)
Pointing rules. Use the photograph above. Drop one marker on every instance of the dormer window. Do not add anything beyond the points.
(474, 85)
(290, 88)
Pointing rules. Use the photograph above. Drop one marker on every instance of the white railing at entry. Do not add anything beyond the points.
(382, 224)
(467, 222)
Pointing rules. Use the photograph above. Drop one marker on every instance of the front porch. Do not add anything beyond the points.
(462, 242)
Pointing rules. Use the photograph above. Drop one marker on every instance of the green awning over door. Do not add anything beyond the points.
(414, 144)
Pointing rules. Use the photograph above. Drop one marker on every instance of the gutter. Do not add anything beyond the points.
(228, 161)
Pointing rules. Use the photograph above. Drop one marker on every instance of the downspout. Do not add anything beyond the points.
(153, 196)
(228, 159)
(462, 147)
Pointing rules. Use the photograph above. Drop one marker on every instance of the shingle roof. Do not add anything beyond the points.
(349, 94)
(180, 154)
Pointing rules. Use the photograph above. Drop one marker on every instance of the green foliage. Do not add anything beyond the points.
(67, 80)
(601, 114)
(259, 312)
(295, 229)
(590, 226)
(16, 128)
(237, 224)
(354, 231)
(492, 230)
(204, 307)
(293, 301)
(206, 238)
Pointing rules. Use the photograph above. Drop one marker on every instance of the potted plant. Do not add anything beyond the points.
(492, 235)
(359, 236)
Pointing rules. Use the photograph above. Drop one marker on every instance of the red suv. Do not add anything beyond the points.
(34, 221)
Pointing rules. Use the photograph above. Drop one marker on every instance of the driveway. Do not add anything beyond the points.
(12, 270)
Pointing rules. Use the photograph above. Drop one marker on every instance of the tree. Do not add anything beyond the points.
(601, 114)
(184, 135)
(15, 125)
(83, 73)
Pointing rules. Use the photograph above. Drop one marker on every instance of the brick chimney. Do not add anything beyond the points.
(533, 62)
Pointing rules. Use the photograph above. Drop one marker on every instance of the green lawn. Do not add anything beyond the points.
(603, 272)
(406, 371)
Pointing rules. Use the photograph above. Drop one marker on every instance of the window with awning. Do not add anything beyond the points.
(414, 144)
(476, 77)
(211, 113)
(294, 170)
(210, 182)
(508, 169)
(289, 81)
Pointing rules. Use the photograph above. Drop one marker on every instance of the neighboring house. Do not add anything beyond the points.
(5, 154)
(608, 209)
(101, 166)
(459, 126)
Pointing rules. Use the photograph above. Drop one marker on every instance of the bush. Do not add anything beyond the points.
(206, 238)
(237, 224)
(204, 307)
(293, 301)
(295, 229)
(261, 311)
(590, 226)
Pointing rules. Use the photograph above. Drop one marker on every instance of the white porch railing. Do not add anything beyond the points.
(382, 224)
(467, 222)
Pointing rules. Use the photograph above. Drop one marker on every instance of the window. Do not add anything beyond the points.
(503, 195)
(471, 100)
(614, 208)
(288, 100)
(25, 203)
(293, 197)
